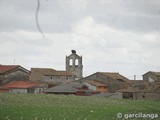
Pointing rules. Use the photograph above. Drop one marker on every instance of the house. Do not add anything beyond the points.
(23, 87)
(151, 76)
(58, 77)
(38, 73)
(96, 85)
(50, 76)
(9, 73)
(74, 88)
(146, 94)
(113, 80)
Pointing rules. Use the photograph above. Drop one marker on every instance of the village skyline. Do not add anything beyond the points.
(121, 36)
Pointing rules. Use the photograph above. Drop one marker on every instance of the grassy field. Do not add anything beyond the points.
(61, 107)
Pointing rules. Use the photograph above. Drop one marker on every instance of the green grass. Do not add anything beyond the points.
(61, 107)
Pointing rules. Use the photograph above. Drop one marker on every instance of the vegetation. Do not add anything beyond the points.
(61, 107)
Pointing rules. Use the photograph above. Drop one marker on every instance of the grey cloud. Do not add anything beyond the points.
(59, 16)
(123, 35)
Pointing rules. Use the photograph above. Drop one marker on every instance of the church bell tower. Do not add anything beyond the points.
(74, 65)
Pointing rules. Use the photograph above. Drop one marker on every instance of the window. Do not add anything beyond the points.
(76, 62)
(51, 77)
(70, 62)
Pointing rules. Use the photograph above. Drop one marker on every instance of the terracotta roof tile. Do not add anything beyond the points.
(6, 68)
(115, 75)
(43, 70)
(96, 83)
(20, 84)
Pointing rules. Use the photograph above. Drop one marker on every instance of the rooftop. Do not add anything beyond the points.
(64, 88)
(20, 84)
(43, 70)
(6, 68)
(115, 75)
(95, 83)
(156, 73)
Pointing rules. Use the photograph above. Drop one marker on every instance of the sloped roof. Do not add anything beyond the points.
(43, 70)
(157, 73)
(60, 73)
(115, 75)
(6, 68)
(61, 88)
(95, 83)
(74, 54)
(51, 72)
(153, 72)
(20, 84)
(65, 88)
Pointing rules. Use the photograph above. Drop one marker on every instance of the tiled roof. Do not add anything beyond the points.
(157, 73)
(153, 72)
(6, 68)
(60, 73)
(64, 88)
(20, 84)
(43, 70)
(51, 72)
(115, 75)
(95, 83)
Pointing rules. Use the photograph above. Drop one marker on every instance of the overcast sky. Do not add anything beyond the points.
(112, 35)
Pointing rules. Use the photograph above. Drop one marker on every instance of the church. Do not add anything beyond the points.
(74, 65)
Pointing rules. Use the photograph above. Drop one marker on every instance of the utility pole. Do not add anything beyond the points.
(134, 91)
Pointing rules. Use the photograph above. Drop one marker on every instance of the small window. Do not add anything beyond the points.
(70, 62)
(67, 78)
(76, 62)
(51, 77)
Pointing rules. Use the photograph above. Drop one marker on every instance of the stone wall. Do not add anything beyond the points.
(113, 84)
(15, 76)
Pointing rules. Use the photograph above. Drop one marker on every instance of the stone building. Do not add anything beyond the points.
(74, 65)
(37, 74)
(114, 81)
(96, 85)
(23, 87)
(10, 73)
(58, 77)
(50, 77)
(152, 76)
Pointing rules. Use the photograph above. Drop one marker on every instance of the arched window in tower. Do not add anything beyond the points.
(70, 62)
(76, 62)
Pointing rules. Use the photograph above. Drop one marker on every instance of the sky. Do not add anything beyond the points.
(111, 35)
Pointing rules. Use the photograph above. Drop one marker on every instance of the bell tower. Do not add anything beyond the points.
(74, 65)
